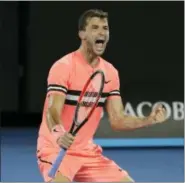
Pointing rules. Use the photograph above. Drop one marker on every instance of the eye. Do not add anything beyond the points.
(106, 28)
(94, 27)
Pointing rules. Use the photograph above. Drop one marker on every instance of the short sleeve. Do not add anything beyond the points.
(58, 78)
(114, 86)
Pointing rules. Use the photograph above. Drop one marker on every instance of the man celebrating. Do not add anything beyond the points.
(84, 161)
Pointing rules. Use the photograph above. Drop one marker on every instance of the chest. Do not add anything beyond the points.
(81, 74)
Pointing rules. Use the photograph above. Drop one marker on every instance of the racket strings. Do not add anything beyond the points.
(89, 98)
(87, 101)
(83, 111)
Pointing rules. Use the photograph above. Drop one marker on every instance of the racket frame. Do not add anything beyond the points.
(80, 98)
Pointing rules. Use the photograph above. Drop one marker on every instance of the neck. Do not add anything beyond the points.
(91, 58)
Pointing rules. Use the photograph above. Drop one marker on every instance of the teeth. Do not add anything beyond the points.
(99, 46)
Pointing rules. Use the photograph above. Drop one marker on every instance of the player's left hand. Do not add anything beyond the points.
(158, 114)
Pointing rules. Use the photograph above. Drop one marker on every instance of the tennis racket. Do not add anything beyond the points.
(86, 104)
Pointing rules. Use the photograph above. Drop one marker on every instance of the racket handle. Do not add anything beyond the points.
(56, 164)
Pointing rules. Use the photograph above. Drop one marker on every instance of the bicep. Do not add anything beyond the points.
(56, 101)
(115, 109)
(114, 105)
(57, 86)
(55, 106)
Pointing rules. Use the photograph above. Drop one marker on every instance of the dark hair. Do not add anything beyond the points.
(90, 14)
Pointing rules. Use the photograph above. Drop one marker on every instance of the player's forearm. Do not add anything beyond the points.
(126, 122)
(53, 118)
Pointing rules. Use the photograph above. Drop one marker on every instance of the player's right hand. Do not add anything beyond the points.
(62, 138)
(66, 140)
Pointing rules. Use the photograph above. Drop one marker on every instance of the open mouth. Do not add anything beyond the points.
(99, 41)
(100, 44)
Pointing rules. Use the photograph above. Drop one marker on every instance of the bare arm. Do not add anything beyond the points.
(55, 106)
(120, 121)
(57, 89)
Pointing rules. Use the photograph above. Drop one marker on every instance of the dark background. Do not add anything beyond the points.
(146, 46)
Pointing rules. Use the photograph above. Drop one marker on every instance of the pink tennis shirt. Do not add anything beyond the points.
(67, 77)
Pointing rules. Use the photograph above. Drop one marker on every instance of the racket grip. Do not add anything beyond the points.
(56, 164)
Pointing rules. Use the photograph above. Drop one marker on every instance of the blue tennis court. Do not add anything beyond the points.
(19, 164)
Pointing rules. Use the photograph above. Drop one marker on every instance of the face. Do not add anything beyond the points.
(96, 35)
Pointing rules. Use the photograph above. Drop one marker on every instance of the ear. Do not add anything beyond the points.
(82, 35)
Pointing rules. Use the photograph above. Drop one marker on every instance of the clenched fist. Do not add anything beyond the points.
(62, 138)
(66, 140)
(158, 114)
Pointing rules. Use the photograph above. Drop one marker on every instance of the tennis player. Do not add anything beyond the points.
(84, 161)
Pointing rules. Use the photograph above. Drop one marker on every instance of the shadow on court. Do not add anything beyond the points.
(18, 160)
